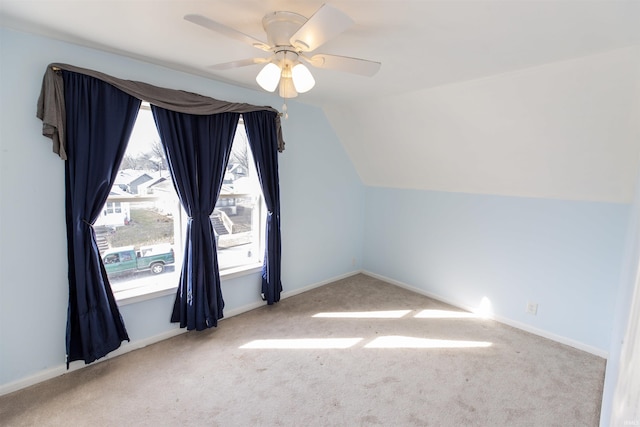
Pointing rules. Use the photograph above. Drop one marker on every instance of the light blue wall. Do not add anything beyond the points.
(321, 197)
(628, 284)
(564, 255)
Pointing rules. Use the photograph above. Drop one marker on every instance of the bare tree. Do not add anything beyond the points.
(129, 162)
(151, 160)
(239, 152)
(157, 152)
(157, 156)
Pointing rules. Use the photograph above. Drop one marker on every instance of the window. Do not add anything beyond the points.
(238, 216)
(141, 231)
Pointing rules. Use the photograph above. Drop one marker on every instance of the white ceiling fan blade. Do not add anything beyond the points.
(362, 67)
(207, 23)
(239, 63)
(325, 24)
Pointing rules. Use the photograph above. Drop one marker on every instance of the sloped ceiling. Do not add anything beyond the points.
(565, 130)
(500, 97)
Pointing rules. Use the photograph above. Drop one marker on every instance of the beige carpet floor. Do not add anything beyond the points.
(357, 352)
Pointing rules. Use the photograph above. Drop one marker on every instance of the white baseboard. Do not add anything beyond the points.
(126, 347)
(287, 294)
(519, 325)
(74, 366)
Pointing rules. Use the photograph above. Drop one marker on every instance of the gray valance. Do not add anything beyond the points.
(51, 109)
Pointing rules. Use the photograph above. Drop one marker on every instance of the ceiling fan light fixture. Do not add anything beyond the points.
(287, 88)
(302, 78)
(269, 77)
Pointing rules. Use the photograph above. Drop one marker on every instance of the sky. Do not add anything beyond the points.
(144, 133)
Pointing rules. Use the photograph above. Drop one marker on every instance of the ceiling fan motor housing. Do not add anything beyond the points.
(281, 26)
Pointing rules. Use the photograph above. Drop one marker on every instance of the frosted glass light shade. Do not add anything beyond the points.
(287, 88)
(269, 77)
(302, 78)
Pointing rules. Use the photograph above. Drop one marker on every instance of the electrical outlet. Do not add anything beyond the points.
(353, 262)
(532, 308)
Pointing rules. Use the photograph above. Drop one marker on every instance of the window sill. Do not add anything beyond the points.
(132, 296)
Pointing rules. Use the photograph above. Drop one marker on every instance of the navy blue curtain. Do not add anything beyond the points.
(263, 140)
(197, 149)
(99, 122)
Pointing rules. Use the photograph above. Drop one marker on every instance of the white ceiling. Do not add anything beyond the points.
(421, 44)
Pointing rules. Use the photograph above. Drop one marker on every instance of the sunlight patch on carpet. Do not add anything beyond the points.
(485, 309)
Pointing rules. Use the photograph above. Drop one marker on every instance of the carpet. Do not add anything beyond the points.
(356, 352)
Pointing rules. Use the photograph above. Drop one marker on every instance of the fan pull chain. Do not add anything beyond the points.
(284, 92)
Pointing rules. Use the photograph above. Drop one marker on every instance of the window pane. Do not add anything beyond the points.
(237, 217)
(139, 234)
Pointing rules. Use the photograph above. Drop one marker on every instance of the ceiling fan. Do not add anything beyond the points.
(290, 37)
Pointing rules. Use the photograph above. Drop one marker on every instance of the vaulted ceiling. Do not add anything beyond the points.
(476, 90)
